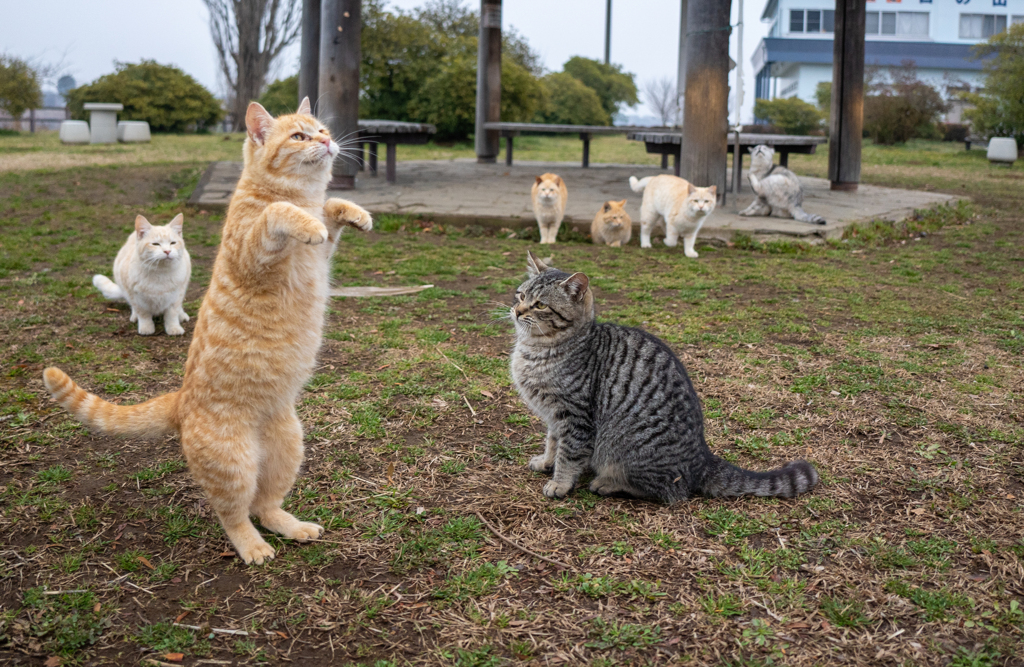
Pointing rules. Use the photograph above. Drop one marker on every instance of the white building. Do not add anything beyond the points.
(937, 35)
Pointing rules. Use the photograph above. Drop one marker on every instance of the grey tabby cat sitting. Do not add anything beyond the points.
(618, 402)
(777, 188)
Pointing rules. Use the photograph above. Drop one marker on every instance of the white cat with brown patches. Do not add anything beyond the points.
(677, 203)
(151, 273)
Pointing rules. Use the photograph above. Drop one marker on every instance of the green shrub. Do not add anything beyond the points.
(571, 102)
(902, 108)
(614, 87)
(792, 115)
(999, 109)
(164, 96)
(282, 96)
(19, 86)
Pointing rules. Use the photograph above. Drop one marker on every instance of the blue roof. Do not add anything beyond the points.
(876, 52)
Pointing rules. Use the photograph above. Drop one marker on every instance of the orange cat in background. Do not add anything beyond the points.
(256, 338)
(549, 195)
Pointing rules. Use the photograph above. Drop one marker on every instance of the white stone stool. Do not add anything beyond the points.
(133, 131)
(74, 132)
(102, 122)
(1002, 149)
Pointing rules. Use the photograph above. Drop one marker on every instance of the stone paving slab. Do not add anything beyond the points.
(462, 192)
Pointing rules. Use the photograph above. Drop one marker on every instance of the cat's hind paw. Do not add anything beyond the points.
(692, 254)
(557, 489)
(303, 530)
(256, 553)
(541, 463)
(146, 327)
(176, 330)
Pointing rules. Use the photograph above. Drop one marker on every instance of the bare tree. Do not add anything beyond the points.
(249, 35)
(660, 95)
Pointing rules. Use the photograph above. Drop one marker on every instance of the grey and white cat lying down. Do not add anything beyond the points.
(618, 402)
(777, 188)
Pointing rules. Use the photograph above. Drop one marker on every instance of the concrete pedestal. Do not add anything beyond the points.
(133, 131)
(102, 122)
(74, 132)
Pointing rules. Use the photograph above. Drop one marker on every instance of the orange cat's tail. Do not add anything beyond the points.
(155, 417)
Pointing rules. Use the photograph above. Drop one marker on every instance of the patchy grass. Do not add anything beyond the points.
(893, 364)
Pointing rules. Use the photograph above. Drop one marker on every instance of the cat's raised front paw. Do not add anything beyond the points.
(345, 212)
(313, 233)
(557, 489)
(541, 463)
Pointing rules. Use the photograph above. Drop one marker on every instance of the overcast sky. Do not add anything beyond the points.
(89, 35)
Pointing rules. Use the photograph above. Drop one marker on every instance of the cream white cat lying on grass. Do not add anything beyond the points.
(151, 273)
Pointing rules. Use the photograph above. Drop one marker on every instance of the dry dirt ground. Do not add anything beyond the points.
(891, 360)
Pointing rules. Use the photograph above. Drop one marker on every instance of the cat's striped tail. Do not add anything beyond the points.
(725, 479)
(155, 417)
(639, 185)
(111, 292)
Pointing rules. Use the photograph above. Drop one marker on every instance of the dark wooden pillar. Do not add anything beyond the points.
(704, 142)
(488, 81)
(309, 57)
(340, 53)
(847, 122)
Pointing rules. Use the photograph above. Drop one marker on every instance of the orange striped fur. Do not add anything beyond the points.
(256, 336)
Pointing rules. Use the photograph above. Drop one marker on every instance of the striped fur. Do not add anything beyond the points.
(256, 335)
(777, 189)
(619, 403)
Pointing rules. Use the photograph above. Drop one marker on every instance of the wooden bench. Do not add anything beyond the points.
(372, 133)
(586, 132)
(670, 143)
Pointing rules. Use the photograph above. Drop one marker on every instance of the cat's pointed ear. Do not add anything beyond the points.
(177, 224)
(607, 206)
(690, 189)
(534, 266)
(622, 203)
(258, 122)
(142, 226)
(558, 179)
(576, 285)
(304, 106)
(751, 149)
(539, 179)
(713, 191)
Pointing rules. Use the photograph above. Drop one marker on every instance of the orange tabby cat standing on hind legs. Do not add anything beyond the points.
(256, 337)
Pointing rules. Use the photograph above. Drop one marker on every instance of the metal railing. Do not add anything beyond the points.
(47, 118)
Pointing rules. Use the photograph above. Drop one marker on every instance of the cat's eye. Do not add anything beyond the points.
(298, 136)
(174, 243)
(540, 306)
(519, 296)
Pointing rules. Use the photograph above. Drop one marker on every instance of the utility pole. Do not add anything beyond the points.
(608, 33)
(739, 65)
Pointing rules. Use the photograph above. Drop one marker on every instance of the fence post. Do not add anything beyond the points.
(32, 120)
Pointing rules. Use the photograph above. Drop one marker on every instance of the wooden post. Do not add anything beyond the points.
(664, 160)
(508, 150)
(309, 56)
(488, 81)
(340, 53)
(737, 164)
(585, 138)
(373, 158)
(32, 120)
(847, 122)
(390, 170)
(704, 142)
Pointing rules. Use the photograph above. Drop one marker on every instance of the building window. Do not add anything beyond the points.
(981, 26)
(1016, 19)
(828, 20)
(813, 20)
(796, 20)
(910, 24)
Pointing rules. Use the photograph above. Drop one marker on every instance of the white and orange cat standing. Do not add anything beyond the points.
(256, 336)
(151, 273)
(678, 203)
(549, 196)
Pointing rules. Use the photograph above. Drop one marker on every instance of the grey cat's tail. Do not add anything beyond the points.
(639, 185)
(725, 479)
(110, 290)
(801, 215)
